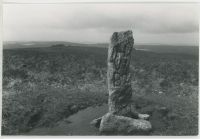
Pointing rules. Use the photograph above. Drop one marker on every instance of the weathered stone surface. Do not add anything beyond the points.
(119, 120)
(96, 122)
(119, 78)
(143, 116)
(120, 125)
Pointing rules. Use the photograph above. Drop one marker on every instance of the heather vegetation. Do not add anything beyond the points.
(42, 86)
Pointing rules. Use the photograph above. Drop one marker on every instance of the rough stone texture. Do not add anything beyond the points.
(96, 122)
(119, 77)
(143, 116)
(120, 125)
(118, 121)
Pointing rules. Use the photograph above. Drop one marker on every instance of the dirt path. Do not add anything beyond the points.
(77, 124)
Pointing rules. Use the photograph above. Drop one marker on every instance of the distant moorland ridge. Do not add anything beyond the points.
(159, 48)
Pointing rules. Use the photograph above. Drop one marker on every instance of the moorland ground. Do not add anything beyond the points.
(42, 86)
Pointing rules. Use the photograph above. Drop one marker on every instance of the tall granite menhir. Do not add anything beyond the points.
(119, 77)
(122, 118)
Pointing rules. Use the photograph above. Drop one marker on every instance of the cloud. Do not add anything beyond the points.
(33, 20)
(150, 19)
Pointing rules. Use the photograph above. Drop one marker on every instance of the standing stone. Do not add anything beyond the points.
(118, 74)
(122, 118)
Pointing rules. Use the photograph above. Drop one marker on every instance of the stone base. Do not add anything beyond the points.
(121, 125)
(96, 122)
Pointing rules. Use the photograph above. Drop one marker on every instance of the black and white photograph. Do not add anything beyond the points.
(100, 68)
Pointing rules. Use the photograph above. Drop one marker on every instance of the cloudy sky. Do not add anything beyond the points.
(157, 23)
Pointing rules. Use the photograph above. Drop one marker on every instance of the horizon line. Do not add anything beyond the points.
(89, 43)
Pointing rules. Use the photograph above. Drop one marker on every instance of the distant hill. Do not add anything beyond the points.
(158, 48)
(32, 44)
(191, 50)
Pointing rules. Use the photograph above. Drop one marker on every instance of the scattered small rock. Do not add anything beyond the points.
(96, 122)
(160, 92)
(143, 116)
(74, 108)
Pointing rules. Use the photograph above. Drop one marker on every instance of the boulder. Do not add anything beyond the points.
(121, 125)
